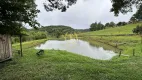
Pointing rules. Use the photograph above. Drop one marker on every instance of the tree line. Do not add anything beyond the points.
(29, 35)
(137, 17)
(99, 26)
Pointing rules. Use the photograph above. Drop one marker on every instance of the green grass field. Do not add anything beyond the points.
(63, 65)
(121, 42)
(113, 31)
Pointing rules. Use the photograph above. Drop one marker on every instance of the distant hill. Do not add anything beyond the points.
(82, 30)
(57, 30)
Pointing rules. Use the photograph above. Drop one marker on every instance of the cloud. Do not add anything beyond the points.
(80, 15)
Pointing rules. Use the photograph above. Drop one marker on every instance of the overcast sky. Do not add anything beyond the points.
(80, 15)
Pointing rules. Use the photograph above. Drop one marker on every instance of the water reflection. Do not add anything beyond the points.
(78, 47)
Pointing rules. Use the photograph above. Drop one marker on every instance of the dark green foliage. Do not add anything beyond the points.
(112, 24)
(137, 16)
(138, 29)
(118, 6)
(93, 26)
(58, 4)
(133, 20)
(121, 23)
(57, 31)
(15, 13)
(96, 26)
(124, 6)
(31, 35)
(99, 26)
(81, 30)
(107, 25)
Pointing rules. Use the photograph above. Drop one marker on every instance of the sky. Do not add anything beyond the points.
(81, 15)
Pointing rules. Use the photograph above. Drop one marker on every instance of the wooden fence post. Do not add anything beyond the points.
(21, 45)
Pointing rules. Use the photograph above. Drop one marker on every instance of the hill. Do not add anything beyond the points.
(58, 30)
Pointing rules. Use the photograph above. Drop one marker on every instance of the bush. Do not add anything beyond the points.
(138, 29)
(31, 35)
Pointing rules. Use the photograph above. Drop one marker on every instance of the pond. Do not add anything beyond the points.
(79, 47)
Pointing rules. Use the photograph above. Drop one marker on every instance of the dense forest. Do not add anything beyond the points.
(57, 31)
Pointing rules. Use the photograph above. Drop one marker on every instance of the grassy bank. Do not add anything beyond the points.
(62, 65)
(116, 39)
(28, 44)
(113, 31)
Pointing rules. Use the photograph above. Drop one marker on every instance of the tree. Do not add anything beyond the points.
(138, 30)
(15, 13)
(124, 6)
(100, 26)
(58, 4)
(133, 20)
(118, 6)
(93, 26)
(137, 16)
(121, 23)
(96, 26)
(112, 24)
(107, 25)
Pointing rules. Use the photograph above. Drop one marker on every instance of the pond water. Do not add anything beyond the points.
(79, 47)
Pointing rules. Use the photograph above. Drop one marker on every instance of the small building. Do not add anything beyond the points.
(5, 47)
